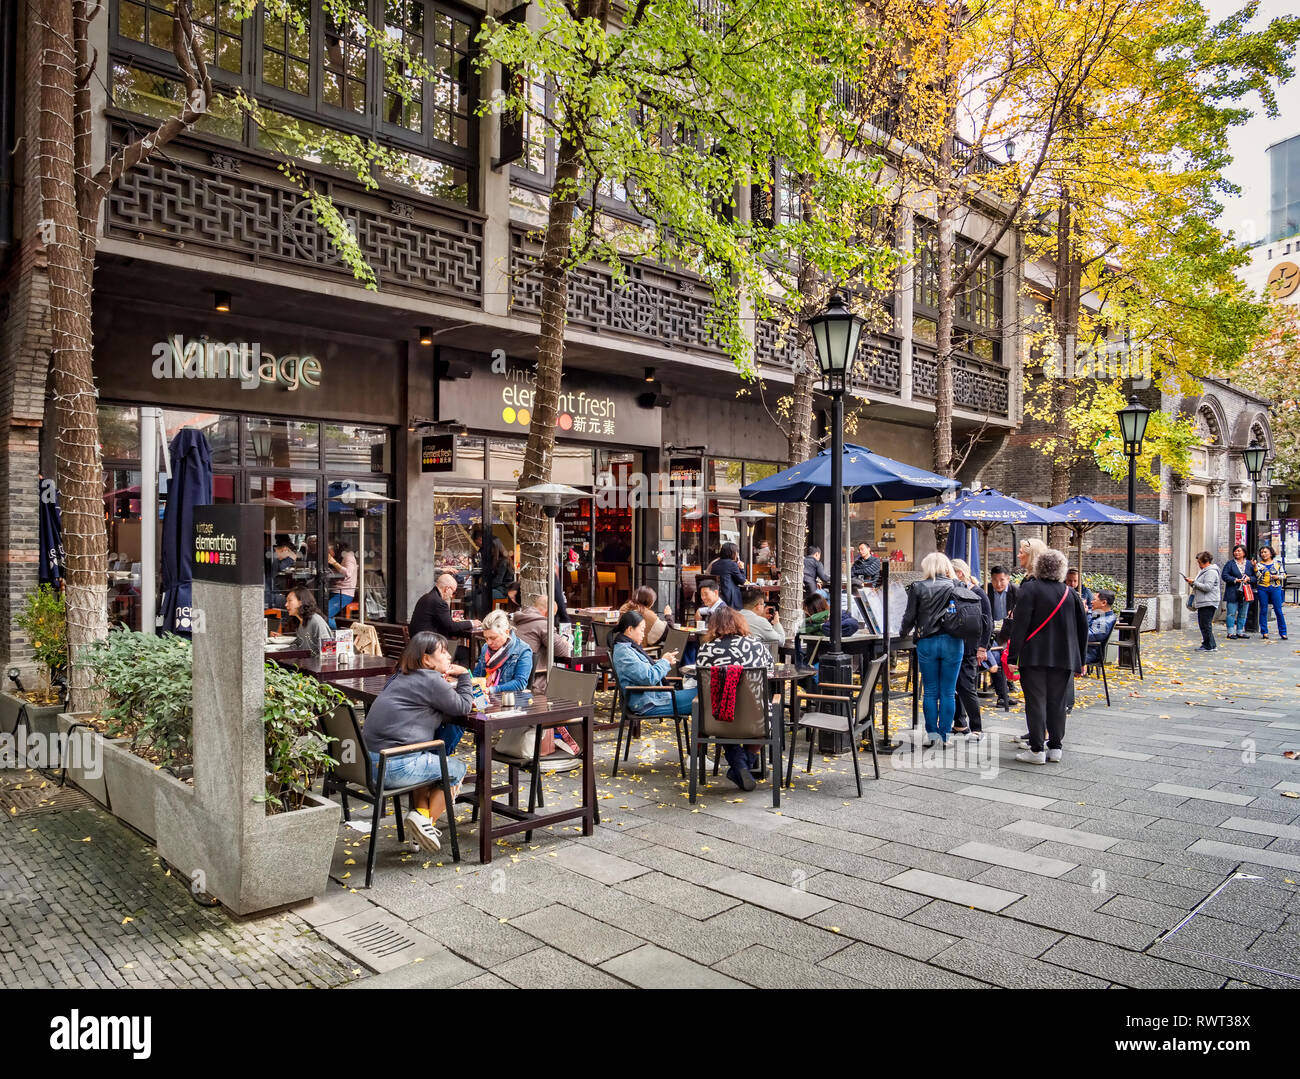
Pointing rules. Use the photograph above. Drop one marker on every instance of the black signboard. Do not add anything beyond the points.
(513, 125)
(228, 544)
(438, 453)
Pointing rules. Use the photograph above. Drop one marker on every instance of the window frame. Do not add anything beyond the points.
(985, 291)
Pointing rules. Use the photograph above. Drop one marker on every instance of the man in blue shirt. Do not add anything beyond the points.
(1100, 623)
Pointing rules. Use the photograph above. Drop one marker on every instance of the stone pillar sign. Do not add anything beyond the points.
(219, 834)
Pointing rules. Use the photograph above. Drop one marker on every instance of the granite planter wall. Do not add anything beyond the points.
(40, 719)
(83, 754)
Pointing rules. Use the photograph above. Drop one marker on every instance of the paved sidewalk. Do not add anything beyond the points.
(1081, 874)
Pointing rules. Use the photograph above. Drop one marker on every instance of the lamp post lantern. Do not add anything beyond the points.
(1253, 458)
(836, 332)
(1283, 505)
(1133, 427)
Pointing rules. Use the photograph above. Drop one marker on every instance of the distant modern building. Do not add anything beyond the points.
(1275, 260)
(1284, 180)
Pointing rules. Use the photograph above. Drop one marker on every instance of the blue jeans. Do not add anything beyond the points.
(417, 768)
(1236, 620)
(1270, 597)
(683, 702)
(939, 659)
(338, 604)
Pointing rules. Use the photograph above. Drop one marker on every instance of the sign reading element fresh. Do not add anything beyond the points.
(438, 453)
(228, 544)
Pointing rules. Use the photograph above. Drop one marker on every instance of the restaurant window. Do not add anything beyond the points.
(286, 47)
(403, 85)
(216, 22)
(977, 314)
(350, 448)
(286, 444)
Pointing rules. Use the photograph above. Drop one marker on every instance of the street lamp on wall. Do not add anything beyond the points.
(836, 332)
(1133, 419)
(1283, 505)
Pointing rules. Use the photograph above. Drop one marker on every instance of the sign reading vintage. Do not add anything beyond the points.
(438, 453)
(228, 544)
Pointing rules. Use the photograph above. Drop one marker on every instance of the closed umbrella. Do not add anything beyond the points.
(51, 535)
(191, 485)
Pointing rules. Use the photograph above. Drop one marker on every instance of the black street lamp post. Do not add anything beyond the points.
(835, 332)
(1253, 458)
(1133, 426)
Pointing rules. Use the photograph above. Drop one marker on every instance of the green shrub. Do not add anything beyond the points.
(44, 618)
(148, 687)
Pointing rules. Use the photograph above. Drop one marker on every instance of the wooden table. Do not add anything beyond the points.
(331, 669)
(541, 713)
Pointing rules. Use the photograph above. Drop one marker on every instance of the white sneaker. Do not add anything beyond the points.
(425, 833)
(1028, 756)
(1054, 755)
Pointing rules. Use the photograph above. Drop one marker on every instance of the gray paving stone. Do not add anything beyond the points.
(1204, 795)
(575, 933)
(1105, 751)
(1261, 827)
(547, 968)
(1236, 852)
(997, 794)
(486, 980)
(1212, 743)
(906, 938)
(335, 905)
(1145, 911)
(1073, 836)
(1129, 968)
(1049, 913)
(953, 890)
(867, 894)
(679, 895)
(650, 967)
(888, 970)
(970, 924)
(1010, 970)
(791, 899)
(764, 968)
(596, 864)
(483, 940)
(439, 969)
(803, 940)
(668, 929)
(1014, 859)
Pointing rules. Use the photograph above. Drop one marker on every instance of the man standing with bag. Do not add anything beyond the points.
(967, 719)
(1049, 638)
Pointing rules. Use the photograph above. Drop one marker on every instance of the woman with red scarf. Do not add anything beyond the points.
(728, 643)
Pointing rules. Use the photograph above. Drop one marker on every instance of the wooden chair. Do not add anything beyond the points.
(862, 721)
(753, 724)
(393, 637)
(355, 776)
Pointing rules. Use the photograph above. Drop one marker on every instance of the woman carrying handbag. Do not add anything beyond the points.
(1238, 591)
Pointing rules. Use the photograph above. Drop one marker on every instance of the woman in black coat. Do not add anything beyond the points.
(731, 578)
(1049, 639)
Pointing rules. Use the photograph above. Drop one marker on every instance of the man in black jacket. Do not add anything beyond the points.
(1002, 601)
(866, 567)
(433, 611)
(814, 573)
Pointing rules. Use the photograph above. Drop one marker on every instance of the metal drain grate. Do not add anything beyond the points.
(29, 801)
(380, 939)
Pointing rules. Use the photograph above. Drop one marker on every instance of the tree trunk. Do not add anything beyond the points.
(794, 515)
(69, 255)
(1065, 317)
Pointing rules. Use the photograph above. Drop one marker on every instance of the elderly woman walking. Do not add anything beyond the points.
(1207, 590)
(1049, 639)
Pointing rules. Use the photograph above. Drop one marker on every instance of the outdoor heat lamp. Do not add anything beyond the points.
(1253, 456)
(1133, 425)
(836, 332)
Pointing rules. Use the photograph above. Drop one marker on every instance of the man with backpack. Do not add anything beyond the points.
(967, 716)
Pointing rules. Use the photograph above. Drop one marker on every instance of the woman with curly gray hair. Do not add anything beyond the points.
(1049, 638)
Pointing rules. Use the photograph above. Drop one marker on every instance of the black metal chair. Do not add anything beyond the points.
(355, 776)
(628, 718)
(1130, 641)
(861, 721)
(753, 724)
(1099, 668)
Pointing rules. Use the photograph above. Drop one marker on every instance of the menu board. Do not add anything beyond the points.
(1291, 541)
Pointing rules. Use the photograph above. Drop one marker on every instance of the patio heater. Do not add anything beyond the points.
(836, 332)
(1133, 419)
(361, 500)
(751, 519)
(551, 497)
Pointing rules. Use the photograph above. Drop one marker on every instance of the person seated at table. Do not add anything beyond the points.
(506, 661)
(432, 612)
(814, 573)
(635, 668)
(421, 702)
(1072, 581)
(312, 627)
(343, 589)
(710, 597)
(728, 643)
(643, 602)
(531, 627)
(279, 563)
(816, 613)
(1101, 620)
(730, 574)
(866, 567)
(756, 618)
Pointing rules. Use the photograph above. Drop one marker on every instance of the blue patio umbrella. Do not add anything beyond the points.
(51, 535)
(1083, 514)
(868, 477)
(964, 542)
(984, 509)
(191, 485)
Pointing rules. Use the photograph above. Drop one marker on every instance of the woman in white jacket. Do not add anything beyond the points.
(1207, 590)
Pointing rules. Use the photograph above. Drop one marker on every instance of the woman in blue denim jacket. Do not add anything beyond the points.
(635, 668)
(506, 661)
(1237, 571)
(1271, 575)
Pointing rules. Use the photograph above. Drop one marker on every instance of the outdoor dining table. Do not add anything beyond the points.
(539, 712)
(334, 668)
(589, 659)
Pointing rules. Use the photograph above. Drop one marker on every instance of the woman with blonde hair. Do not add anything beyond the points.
(1030, 549)
(938, 654)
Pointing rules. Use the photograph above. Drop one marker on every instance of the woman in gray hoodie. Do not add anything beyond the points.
(1207, 590)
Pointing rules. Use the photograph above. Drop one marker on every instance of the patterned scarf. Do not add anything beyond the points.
(722, 692)
(492, 662)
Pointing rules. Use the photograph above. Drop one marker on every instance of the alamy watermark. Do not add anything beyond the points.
(243, 361)
(1114, 360)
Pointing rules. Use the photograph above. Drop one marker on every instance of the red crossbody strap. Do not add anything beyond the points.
(1050, 616)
